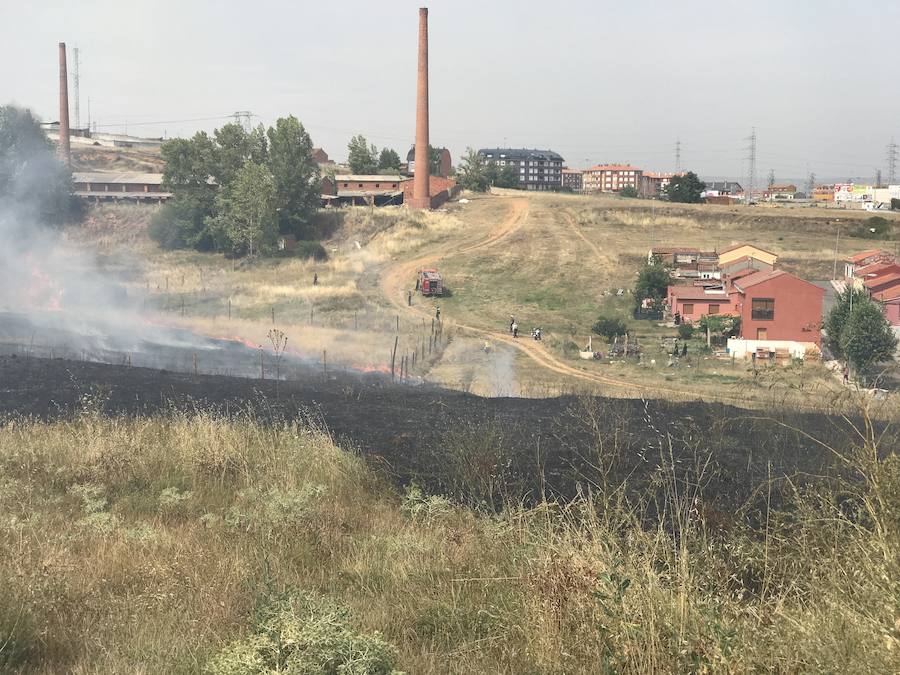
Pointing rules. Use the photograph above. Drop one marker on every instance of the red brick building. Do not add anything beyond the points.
(441, 189)
(612, 178)
(776, 305)
(688, 304)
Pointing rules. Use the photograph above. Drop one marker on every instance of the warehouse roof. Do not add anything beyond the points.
(116, 177)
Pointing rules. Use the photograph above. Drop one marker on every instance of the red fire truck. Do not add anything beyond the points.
(431, 282)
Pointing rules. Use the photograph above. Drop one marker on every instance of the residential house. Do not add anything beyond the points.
(777, 193)
(612, 178)
(573, 179)
(653, 184)
(890, 303)
(538, 169)
(688, 304)
(775, 305)
(722, 188)
(736, 251)
(731, 268)
(320, 157)
(865, 258)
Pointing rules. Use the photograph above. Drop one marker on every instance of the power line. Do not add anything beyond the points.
(242, 117)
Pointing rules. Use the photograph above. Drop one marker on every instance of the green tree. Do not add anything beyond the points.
(363, 158)
(296, 176)
(502, 176)
(867, 339)
(686, 189)
(233, 147)
(388, 160)
(473, 172)
(434, 160)
(837, 319)
(652, 283)
(32, 179)
(190, 165)
(609, 326)
(247, 215)
(629, 192)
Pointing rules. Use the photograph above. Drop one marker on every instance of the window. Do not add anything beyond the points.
(713, 309)
(763, 309)
(377, 185)
(687, 308)
(360, 185)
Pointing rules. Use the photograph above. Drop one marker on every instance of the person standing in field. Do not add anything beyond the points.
(515, 329)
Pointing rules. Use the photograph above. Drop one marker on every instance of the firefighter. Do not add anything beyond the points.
(684, 350)
(437, 313)
(417, 282)
(512, 320)
(515, 329)
(315, 278)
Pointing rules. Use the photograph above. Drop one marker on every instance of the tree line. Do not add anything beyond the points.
(366, 160)
(238, 190)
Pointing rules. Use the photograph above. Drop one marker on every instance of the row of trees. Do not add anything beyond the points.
(238, 190)
(477, 174)
(365, 159)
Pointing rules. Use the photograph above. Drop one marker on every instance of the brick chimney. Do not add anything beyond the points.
(421, 181)
(65, 149)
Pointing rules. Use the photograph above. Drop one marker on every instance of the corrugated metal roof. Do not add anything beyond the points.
(371, 178)
(116, 177)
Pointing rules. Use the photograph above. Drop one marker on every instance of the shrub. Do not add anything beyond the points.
(629, 192)
(609, 327)
(299, 633)
(685, 331)
(876, 227)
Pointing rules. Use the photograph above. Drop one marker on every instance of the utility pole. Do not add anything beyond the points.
(677, 155)
(877, 178)
(810, 184)
(751, 159)
(76, 81)
(892, 161)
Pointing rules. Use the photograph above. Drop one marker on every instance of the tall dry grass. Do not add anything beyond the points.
(154, 545)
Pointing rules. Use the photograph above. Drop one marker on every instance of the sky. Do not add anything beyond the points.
(597, 81)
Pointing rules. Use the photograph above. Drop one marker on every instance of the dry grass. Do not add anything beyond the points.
(145, 545)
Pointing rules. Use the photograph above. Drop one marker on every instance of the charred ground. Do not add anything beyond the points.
(478, 449)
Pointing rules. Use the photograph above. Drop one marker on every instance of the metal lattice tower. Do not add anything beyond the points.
(810, 184)
(892, 161)
(878, 178)
(242, 117)
(76, 81)
(751, 159)
(677, 154)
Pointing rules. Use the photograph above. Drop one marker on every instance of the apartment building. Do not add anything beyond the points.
(612, 178)
(537, 169)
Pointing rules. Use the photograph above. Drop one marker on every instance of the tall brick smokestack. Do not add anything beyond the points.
(421, 182)
(65, 150)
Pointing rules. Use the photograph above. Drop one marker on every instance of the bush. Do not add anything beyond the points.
(895, 204)
(685, 331)
(609, 327)
(876, 227)
(629, 192)
(298, 632)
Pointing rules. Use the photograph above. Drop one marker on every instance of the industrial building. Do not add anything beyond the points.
(107, 186)
(538, 169)
(444, 168)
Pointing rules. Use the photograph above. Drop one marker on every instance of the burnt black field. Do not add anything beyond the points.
(477, 449)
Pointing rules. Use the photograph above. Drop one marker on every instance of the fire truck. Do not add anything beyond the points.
(431, 282)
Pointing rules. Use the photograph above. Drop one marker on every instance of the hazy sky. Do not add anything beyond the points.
(596, 81)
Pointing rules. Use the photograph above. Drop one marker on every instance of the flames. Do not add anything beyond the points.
(41, 292)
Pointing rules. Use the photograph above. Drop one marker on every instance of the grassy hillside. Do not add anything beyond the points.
(188, 543)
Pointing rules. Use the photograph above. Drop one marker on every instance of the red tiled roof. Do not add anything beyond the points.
(674, 249)
(891, 280)
(737, 246)
(862, 255)
(874, 268)
(695, 293)
(888, 294)
(742, 273)
(761, 277)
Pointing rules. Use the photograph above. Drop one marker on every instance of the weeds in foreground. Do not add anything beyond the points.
(180, 520)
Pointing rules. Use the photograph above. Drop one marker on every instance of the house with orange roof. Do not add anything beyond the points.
(737, 251)
(889, 299)
(775, 305)
(865, 258)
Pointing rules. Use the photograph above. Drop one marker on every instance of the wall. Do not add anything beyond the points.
(798, 310)
(742, 349)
